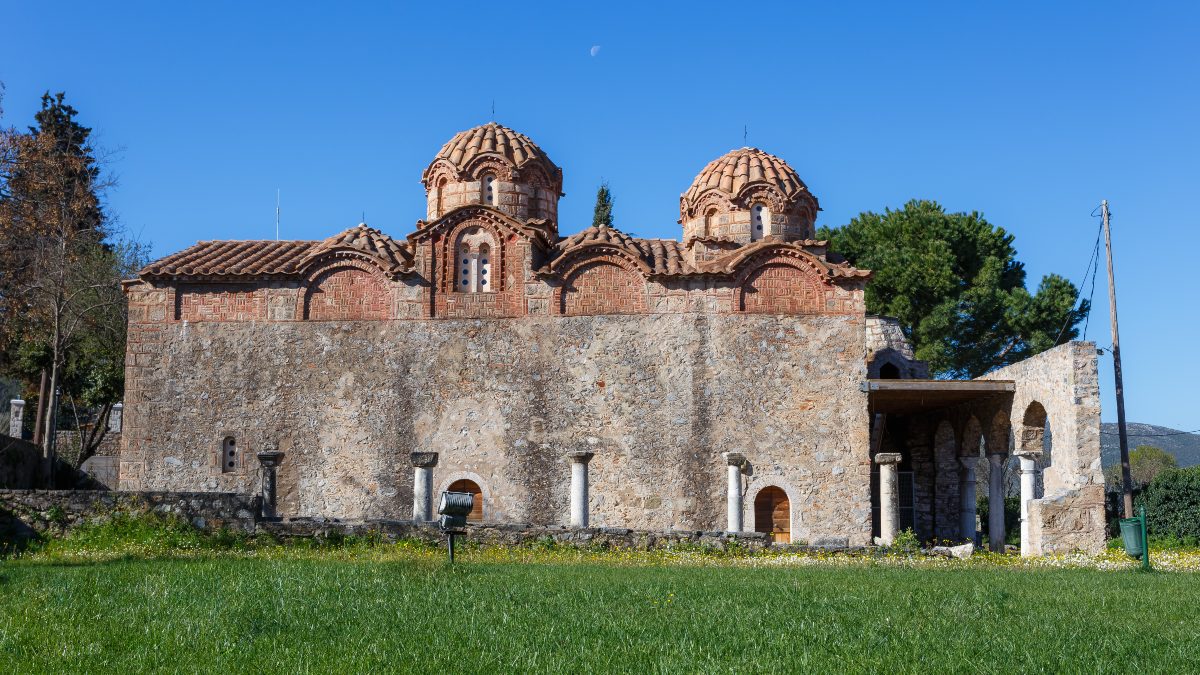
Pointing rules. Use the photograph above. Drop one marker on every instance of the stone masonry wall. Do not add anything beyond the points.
(1064, 381)
(25, 514)
(657, 398)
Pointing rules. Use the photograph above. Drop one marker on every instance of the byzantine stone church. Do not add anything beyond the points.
(730, 380)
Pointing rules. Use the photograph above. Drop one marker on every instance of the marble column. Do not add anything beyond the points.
(270, 460)
(16, 416)
(966, 495)
(579, 487)
(1029, 473)
(423, 463)
(734, 497)
(996, 502)
(889, 496)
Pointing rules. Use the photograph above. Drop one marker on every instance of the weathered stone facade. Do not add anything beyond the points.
(497, 349)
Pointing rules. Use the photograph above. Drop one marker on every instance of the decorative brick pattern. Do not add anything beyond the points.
(782, 289)
(347, 294)
(220, 302)
(603, 287)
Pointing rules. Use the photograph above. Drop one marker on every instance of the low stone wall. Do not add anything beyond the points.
(515, 535)
(26, 514)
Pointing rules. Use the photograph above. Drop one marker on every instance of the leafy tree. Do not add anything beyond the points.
(61, 304)
(1146, 462)
(1172, 502)
(602, 214)
(953, 281)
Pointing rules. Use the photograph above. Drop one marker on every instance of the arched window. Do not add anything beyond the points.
(773, 514)
(760, 218)
(465, 485)
(473, 262)
(487, 185)
(441, 189)
(710, 221)
(229, 455)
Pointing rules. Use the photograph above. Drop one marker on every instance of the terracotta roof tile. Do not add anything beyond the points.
(493, 139)
(249, 259)
(738, 168)
(231, 258)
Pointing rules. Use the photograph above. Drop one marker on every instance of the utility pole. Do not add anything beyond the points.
(1126, 480)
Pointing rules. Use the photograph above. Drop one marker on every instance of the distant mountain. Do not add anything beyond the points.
(1185, 447)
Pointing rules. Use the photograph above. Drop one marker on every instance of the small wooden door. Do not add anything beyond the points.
(464, 485)
(773, 514)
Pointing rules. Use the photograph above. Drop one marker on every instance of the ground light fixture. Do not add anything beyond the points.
(453, 508)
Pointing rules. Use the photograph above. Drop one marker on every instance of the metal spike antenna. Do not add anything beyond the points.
(745, 135)
(276, 214)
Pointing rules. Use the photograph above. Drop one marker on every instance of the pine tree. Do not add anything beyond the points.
(602, 215)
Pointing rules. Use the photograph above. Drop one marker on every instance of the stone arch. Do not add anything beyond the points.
(780, 286)
(474, 251)
(602, 286)
(483, 501)
(1036, 436)
(348, 291)
(947, 481)
(756, 487)
(480, 223)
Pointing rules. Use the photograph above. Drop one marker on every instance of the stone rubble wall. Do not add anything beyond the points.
(25, 514)
(1065, 382)
(657, 398)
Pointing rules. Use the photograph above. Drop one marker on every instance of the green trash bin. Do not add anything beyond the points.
(1131, 534)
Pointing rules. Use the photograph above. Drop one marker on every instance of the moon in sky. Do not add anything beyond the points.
(594, 50)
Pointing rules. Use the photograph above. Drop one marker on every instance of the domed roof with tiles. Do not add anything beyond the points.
(737, 170)
(495, 141)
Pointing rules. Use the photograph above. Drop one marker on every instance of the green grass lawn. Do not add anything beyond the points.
(309, 612)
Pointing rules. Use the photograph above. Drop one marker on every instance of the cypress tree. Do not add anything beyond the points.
(602, 215)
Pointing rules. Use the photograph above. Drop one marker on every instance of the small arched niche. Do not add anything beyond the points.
(773, 514)
(469, 486)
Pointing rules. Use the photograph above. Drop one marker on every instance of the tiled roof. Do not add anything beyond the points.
(248, 259)
(493, 139)
(232, 259)
(738, 168)
(393, 256)
(660, 256)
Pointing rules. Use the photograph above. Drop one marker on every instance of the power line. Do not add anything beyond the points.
(1137, 435)
(1094, 259)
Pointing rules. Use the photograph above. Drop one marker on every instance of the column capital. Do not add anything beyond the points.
(425, 460)
(969, 462)
(580, 456)
(1032, 455)
(734, 458)
(996, 458)
(888, 458)
(270, 458)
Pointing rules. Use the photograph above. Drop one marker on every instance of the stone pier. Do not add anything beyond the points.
(423, 463)
(889, 497)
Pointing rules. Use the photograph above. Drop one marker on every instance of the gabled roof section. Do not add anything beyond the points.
(256, 259)
(233, 259)
(810, 250)
(392, 257)
(654, 257)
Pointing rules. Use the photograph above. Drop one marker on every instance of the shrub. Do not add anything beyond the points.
(1172, 504)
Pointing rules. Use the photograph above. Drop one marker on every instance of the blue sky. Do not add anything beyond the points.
(1029, 113)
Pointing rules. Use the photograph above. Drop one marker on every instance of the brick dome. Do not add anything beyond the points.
(732, 172)
(497, 167)
(495, 141)
(747, 194)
